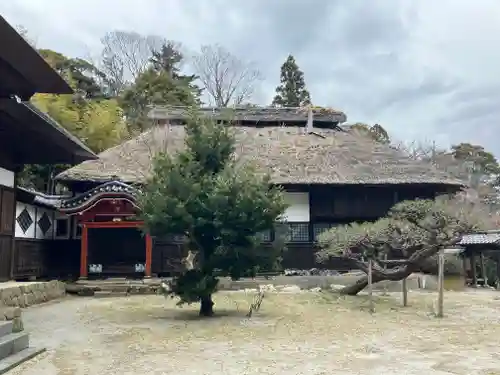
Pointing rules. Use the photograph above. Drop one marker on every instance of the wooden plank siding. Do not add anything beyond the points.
(7, 215)
(30, 258)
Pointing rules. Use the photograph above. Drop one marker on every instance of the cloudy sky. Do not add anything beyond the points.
(424, 69)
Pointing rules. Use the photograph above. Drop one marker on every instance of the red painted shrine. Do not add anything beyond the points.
(111, 238)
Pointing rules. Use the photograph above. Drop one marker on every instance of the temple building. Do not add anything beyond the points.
(330, 176)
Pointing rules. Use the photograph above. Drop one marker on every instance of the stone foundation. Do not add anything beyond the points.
(28, 294)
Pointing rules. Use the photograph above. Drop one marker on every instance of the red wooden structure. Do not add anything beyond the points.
(111, 205)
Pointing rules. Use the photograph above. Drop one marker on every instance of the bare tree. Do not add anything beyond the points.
(23, 31)
(479, 183)
(227, 79)
(125, 55)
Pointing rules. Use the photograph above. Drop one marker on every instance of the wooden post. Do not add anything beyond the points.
(385, 269)
(149, 255)
(370, 286)
(84, 252)
(464, 266)
(404, 288)
(473, 270)
(440, 306)
(483, 270)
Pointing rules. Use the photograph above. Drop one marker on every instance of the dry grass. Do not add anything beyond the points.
(313, 333)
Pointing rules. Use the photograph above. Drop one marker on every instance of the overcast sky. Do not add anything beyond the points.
(424, 69)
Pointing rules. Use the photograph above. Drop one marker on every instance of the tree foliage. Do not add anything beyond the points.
(217, 203)
(411, 233)
(95, 120)
(161, 84)
(477, 157)
(83, 76)
(292, 90)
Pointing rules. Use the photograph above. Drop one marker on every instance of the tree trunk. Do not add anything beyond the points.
(362, 283)
(207, 306)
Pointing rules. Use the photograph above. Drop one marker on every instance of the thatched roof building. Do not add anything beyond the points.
(278, 142)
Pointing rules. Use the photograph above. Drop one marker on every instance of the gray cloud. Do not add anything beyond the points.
(424, 70)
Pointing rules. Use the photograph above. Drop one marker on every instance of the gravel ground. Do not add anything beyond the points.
(293, 333)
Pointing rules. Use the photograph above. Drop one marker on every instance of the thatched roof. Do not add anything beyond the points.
(289, 154)
(253, 114)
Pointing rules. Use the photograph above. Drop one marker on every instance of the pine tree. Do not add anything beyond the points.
(161, 84)
(292, 90)
(219, 206)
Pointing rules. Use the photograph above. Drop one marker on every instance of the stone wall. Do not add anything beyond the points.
(14, 296)
(28, 294)
(414, 282)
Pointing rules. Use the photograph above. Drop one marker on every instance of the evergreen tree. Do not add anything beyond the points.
(204, 194)
(292, 90)
(161, 84)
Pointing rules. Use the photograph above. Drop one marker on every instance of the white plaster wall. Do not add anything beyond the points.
(30, 233)
(298, 207)
(39, 233)
(6, 177)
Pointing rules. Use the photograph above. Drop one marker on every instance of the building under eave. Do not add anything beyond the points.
(27, 136)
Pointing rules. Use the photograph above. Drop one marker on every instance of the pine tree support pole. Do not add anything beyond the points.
(370, 287)
(440, 307)
(483, 269)
(404, 289)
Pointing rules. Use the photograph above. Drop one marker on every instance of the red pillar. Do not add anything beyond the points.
(83, 252)
(149, 255)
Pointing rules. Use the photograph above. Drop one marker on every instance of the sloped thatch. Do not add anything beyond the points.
(289, 154)
(253, 115)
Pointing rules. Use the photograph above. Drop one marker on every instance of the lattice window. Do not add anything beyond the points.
(319, 228)
(298, 232)
(44, 223)
(24, 220)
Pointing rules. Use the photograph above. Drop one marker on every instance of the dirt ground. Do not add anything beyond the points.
(293, 333)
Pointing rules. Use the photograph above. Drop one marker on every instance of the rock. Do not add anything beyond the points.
(16, 291)
(12, 312)
(86, 292)
(17, 325)
(267, 288)
(336, 287)
(316, 290)
(250, 290)
(310, 272)
(290, 289)
(314, 272)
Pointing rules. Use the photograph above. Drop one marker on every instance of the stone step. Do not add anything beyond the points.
(13, 343)
(109, 293)
(16, 359)
(6, 328)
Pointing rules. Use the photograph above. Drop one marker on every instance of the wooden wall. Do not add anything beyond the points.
(328, 205)
(7, 212)
(46, 259)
